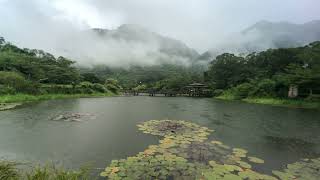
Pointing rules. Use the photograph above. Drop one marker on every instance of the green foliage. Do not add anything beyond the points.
(112, 85)
(50, 172)
(11, 79)
(141, 87)
(41, 67)
(268, 73)
(12, 82)
(82, 88)
(8, 170)
(7, 90)
(17, 98)
(297, 103)
(165, 76)
(86, 88)
(91, 77)
(22, 70)
(227, 70)
(306, 169)
(99, 88)
(217, 92)
(243, 90)
(184, 153)
(261, 88)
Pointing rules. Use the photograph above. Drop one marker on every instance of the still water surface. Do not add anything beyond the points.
(278, 135)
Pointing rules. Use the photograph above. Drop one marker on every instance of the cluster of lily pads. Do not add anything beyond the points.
(184, 152)
(307, 169)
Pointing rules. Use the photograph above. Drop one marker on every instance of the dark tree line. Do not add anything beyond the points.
(268, 73)
(35, 71)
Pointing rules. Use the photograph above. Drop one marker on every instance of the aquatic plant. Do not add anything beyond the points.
(184, 152)
(232, 172)
(173, 128)
(148, 166)
(307, 169)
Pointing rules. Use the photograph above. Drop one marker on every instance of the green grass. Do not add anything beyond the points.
(20, 98)
(294, 103)
(10, 171)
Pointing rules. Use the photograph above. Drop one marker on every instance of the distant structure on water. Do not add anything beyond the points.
(198, 90)
(192, 90)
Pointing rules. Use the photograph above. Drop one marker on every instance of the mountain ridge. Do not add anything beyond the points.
(264, 35)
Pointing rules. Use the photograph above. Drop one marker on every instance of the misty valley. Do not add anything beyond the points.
(87, 93)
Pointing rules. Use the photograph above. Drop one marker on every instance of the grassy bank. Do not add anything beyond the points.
(294, 103)
(20, 98)
(13, 171)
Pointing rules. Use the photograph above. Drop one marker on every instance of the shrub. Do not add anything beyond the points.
(264, 88)
(140, 87)
(13, 82)
(7, 90)
(112, 85)
(57, 89)
(99, 88)
(8, 171)
(85, 88)
(11, 78)
(243, 90)
(50, 172)
(217, 92)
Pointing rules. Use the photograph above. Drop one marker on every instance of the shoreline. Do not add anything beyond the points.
(289, 103)
(12, 101)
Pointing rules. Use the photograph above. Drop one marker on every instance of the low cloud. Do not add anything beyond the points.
(60, 26)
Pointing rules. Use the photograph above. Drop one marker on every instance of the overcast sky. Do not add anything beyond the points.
(199, 23)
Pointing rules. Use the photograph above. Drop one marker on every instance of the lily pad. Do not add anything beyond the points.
(184, 152)
(255, 160)
(308, 169)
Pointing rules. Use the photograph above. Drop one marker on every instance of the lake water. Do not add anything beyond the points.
(276, 134)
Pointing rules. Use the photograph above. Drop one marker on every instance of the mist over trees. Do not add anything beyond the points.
(265, 74)
(34, 71)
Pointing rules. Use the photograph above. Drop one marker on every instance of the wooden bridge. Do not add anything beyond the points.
(192, 90)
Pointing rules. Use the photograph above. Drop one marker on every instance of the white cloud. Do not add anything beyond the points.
(82, 13)
(49, 24)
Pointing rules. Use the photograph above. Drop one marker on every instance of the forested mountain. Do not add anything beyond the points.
(140, 58)
(27, 70)
(267, 73)
(264, 35)
(128, 45)
(136, 34)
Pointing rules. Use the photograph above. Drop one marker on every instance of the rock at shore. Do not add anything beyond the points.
(7, 106)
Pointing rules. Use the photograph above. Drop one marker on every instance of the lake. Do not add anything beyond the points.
(278, 135)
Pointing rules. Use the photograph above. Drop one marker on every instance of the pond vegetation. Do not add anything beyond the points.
(184, 152)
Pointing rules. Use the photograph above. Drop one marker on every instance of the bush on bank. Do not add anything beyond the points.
(10, 171)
